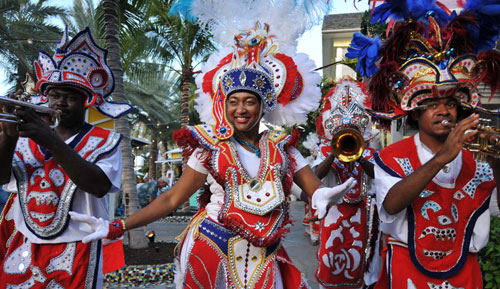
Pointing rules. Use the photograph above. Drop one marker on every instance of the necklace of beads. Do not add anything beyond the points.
(255, 149)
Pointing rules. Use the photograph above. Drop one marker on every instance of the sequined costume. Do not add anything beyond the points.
(444, 228)
(40, 246)
(433, 55)
(235, 241)
(349, 232)
(348, 255)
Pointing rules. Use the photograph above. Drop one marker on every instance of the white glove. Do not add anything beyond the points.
(324, 196)
(98, 225)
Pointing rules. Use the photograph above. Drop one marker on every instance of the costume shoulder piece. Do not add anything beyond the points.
(192, 137)
(45, 190)
(392, 159)
(278, 136)
(205, 135)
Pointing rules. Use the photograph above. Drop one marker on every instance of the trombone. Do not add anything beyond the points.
(24, 102)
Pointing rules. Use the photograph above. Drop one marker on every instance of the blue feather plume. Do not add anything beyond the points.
(488, 17)
(403, 9)
(367, 51)
(396, 9)
(419, 9)
(182, 8)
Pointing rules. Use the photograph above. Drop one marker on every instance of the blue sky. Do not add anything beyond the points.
(309, 43)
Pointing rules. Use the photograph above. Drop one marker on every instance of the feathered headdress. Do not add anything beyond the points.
(259, 55)
(343, 107)
(79, 63)
(431, 53)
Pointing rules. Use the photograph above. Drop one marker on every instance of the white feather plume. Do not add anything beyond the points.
(295, 112)
(287, 19)
(290, 18)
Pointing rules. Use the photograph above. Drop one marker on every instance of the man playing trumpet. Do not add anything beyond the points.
(70, 167)
(347, 253)
(434, 198)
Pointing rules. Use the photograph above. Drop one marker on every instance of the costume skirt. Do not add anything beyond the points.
(215, 257)
(399, 272)
(26, 265)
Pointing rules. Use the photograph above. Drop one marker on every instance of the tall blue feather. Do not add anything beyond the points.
(396, 9)
(488, 16)
(182, 8)
(366, 50)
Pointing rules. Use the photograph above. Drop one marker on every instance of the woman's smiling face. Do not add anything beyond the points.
(243, 110)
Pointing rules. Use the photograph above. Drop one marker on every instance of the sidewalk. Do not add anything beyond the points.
(297, 245)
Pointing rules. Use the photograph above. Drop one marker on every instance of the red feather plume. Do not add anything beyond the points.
(396, 46)
(380, 92)
(490, 60)
(455, 34)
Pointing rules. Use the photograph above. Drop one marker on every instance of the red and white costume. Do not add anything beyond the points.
(235, 240)
(40, 245)
(349, 239)
(433, 242)
(444, 228)
(348, 254)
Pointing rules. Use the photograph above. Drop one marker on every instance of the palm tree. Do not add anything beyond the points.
(83, 14)
(180, 41)
(25, 28)
(155, 105)
(137, 238)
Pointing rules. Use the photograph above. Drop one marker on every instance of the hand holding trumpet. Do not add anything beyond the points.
(22, 118)
(455, 140)
(475, 135)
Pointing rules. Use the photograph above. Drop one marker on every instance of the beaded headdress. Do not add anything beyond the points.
(256, 60)
(79, 63)
(432, 53)
(344, 106)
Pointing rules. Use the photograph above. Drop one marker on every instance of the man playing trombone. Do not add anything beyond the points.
(434, 197)
(70, 167)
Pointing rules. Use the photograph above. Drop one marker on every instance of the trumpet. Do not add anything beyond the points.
(348, 145)
(54, 115)
(478, 145)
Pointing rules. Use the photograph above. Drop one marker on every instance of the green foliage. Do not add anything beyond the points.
(25, 29)
(372, 29)
(489, 257)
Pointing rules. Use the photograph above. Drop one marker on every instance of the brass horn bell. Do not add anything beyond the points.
(348, 145)
(42, 110)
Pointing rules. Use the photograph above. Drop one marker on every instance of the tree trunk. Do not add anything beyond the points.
(136, 237)
(153, 155)
(185, 99)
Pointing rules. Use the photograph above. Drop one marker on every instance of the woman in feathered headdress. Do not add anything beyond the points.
(234, 241)
(434, 197)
